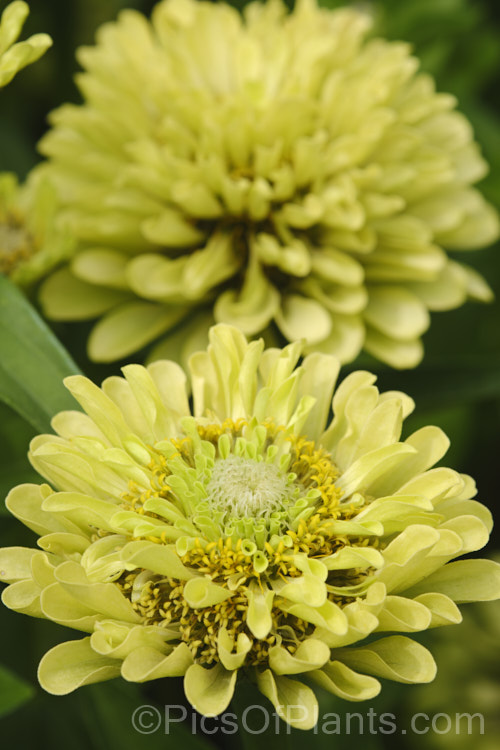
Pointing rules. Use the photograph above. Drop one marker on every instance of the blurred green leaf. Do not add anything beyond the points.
(15, 468)
(33, 362)
(14, 691)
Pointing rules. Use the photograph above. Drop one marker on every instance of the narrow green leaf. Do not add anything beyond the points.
(32, 363)
(14, 691)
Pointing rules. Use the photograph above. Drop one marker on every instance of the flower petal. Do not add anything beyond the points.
(130, 327)
(344, 682)
(72, 664)
(396, 658)
(294, 702)
(463, 581)
(209, 690)
(147, 663)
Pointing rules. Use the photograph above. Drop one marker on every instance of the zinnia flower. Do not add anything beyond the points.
(279, 172)
(250, 535)
(31, 241)
(14, 57)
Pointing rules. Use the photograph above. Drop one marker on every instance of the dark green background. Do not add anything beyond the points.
(457, 387)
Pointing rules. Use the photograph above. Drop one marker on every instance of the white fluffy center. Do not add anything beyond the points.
(244, 487)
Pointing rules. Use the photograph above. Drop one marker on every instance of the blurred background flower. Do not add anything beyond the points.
(228, 170)
(31, 242)
(17, 55)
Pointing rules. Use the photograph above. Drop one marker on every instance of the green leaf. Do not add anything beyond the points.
(33, 362)
(15, 468)
(14, 691)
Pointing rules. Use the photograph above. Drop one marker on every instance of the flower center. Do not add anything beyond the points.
(245, 487)
(247, 503)
(16, 246)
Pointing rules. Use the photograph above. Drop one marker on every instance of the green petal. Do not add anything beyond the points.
(24, 597)
(403, 615)
(82, 509)
(209, 690)
(225, 647)
(104, 413)
(130, 327)
(305, 589)
(395, 658)
(101, 266)
(25, 503)
(381, 427)
(189, 277)
(435, 485)
(162, 559)
(454, 508)
(360, 623)
(201, 592)
(159, 418)
(43, 570)
(471, 530)
(12, 20)
(447, 291)
(119, 639)
(170, 228)
(396, 312)
(253, 307)
(64, 544)
(354, 557)
(171, 382)
(463, 581)
(292, 258)
(398, 354)
(303, 318)
(372, 467)
(103, 598)
(407, 554)
(477, 287)
(443, 610)
(64, 297)
(311, 654)
(319, 375)
(15, 563)
(345, 339)
(429, 446)
(58, 605)
(146, 663)
(294, 702)
(337, 267)
(72, 664)
(478, 229)
(328, 616)
(338, 679)
(259, 619)
(224, 378)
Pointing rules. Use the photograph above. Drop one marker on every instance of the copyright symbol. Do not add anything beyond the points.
(146, 719)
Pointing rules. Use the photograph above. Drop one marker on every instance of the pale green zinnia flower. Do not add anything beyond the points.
(14, 57)
(31, 241)
(280, 172)
(251, 534)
